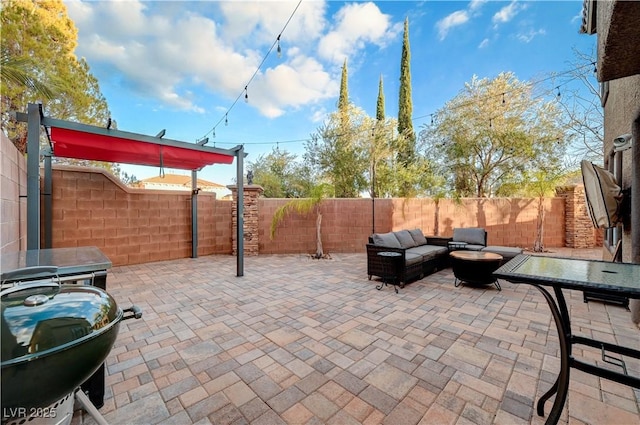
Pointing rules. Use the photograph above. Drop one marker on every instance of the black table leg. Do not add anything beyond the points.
(561, 386)
(95, 385)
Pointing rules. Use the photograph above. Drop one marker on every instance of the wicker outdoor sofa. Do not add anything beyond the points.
(421, 255)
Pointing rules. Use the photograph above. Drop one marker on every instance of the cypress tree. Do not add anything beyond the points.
(343, 100)
(380, 104)
(405, 104)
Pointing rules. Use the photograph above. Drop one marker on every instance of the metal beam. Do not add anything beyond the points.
(33, 176)
(92, 129)
(194, 214)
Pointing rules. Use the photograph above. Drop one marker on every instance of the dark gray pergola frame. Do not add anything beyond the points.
(36, 120)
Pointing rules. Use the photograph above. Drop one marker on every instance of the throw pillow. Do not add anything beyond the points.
(386, 239)
(418, 237)
(405, 239)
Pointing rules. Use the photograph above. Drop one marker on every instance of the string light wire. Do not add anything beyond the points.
(244, 92)
(432, 115)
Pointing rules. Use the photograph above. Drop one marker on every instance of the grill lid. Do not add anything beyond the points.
(41, 318)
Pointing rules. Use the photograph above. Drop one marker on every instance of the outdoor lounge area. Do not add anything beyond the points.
(304, 341)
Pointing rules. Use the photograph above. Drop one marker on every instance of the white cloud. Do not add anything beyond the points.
(455, 19)
(484, 43)
(262, 21)
(526, 37)
(167, 51)
(319, 115)
(356, 25)
(475, 5)
(508, 12)
(459, 17)
(175, 52)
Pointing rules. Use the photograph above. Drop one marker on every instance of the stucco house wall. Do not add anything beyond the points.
(618, 70)
(620, 110)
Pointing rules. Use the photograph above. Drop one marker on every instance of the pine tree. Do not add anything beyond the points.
(405, 105)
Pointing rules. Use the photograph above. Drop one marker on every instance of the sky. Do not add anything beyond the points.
(183, 66)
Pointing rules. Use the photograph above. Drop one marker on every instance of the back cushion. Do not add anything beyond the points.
(418, 237)
(470, 235)
(405, 239)
(386, 239)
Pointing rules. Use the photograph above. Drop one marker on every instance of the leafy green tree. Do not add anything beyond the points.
(338, 151)
(281, 175)
(40, 36)
(492, 134)
(407, 147)
(541, 181)
(304, 207)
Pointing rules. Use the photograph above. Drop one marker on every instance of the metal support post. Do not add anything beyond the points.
(48, 199)
(240, 212)
(33, 176)
(194, 214)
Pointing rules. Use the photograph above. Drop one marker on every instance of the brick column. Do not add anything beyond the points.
(579, 230)
(250, 216)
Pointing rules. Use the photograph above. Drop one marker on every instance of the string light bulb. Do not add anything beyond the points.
(279, 49)
(503, 100)
(226, 120)
(246, 95)
(558, 95)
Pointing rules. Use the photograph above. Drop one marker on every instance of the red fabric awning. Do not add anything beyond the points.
(78, 144)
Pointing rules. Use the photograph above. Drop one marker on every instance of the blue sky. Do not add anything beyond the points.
(180, 65)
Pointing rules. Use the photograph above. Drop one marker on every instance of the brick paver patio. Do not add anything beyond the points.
(303, 341)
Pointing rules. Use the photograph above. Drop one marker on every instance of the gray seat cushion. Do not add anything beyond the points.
(386, 239)
(411, 258)
(428, 252)
(507, 252)
(472, 247)
(405, 239)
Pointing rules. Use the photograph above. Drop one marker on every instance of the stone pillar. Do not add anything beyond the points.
(579, 230)
(251, 195)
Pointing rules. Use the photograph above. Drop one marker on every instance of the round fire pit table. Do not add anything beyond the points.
(475, 267)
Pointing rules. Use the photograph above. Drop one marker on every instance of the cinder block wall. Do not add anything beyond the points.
(347, 223)
(13, 207)
(92, 208)
(134, 226)
(346, 226)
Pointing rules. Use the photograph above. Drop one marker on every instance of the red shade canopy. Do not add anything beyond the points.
(117, 147)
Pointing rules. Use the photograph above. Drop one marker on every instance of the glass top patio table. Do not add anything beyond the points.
(570, 273)
(582, 275)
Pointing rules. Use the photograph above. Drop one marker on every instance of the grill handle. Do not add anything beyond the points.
(30, 273)
(136, 313)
